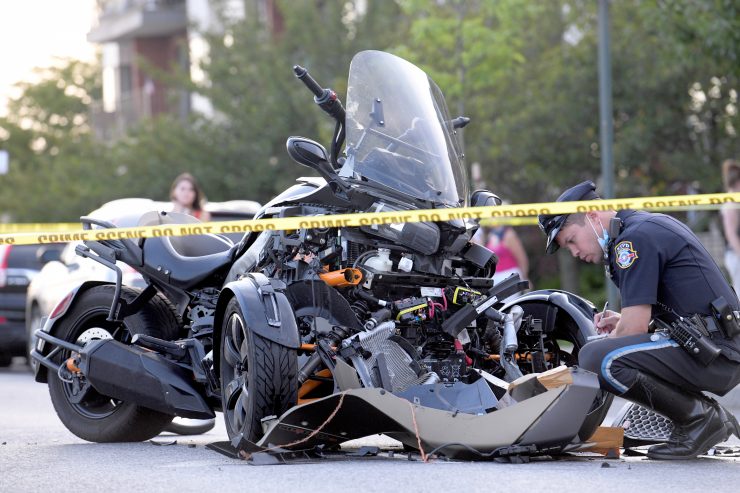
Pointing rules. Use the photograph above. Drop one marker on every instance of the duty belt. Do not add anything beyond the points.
(724, 323)
(694, 336)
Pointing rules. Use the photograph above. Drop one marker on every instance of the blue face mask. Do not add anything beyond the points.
(603, 240)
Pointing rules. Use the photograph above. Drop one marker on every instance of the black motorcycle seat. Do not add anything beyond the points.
(185, 261)
(165, 262)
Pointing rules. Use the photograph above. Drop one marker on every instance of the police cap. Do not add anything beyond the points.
(551, 224)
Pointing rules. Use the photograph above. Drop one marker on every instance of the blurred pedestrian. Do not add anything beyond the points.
(187, 197)
(505, 243)
(731, 222)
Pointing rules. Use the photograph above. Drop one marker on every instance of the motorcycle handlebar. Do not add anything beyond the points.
(325, 98)
(309, 81)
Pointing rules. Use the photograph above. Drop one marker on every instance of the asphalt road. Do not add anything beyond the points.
(38, 454)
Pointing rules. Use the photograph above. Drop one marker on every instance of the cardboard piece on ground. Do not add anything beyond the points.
(606, 440)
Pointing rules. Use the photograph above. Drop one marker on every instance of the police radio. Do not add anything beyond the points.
(615, 227)
(691, 334)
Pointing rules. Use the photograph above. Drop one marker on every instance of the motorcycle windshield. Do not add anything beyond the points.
(399, 131)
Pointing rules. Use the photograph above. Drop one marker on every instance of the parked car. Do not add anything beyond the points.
(19, 265)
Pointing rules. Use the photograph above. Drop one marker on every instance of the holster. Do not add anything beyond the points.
(725, 319)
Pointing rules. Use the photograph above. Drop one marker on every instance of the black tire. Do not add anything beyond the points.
(98, 418)
(190, 426)
(6, 359)
(258, 376)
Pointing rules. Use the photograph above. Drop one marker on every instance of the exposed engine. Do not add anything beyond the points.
(414, 324)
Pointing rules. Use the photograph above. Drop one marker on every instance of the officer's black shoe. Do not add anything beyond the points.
(732, 427)
(704, 429)
(697, 423)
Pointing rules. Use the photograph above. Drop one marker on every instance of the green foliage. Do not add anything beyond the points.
(54, 163)
(527, 74)
(259, 101)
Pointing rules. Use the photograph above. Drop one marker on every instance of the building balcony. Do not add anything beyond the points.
(121, 20)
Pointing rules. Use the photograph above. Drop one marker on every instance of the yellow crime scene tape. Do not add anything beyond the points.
(532, 221)
(512, 211)
(33, 227)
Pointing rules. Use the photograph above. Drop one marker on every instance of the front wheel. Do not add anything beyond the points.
(258, 376)
(85, 412)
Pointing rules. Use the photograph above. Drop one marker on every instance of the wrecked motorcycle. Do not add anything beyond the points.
(328, 333)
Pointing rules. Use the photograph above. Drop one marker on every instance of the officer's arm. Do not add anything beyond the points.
(634, 320)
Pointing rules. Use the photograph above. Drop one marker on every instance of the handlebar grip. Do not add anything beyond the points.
(309, 81)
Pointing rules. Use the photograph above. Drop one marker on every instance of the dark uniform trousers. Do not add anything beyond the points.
(617, 360)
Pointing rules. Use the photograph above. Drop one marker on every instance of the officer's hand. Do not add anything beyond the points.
(606, 321)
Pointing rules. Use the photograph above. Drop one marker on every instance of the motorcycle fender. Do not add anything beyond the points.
(578, 309)
(548, 421)
(51, 324)
(267, 311)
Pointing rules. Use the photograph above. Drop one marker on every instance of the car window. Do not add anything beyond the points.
(28, 256)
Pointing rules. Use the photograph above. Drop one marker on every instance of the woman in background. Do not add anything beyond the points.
(187, 197)
(731, 222)
(505, 243)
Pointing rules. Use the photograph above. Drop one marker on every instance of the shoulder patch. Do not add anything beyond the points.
(626, 255)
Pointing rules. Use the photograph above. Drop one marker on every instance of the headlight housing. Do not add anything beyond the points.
(424, 237)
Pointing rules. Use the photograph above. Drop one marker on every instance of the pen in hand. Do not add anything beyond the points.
(600, 336)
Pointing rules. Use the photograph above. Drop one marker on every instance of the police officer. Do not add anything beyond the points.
(663, 272)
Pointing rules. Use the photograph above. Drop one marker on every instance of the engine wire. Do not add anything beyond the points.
(63, 379)
(424, 456)
(362, 257)
(467, 447)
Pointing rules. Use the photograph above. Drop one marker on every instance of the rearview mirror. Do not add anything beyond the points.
(308, 153)
(481, 198)
(312, 154)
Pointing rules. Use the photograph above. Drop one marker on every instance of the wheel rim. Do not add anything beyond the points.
(234, 374)
(80, 395)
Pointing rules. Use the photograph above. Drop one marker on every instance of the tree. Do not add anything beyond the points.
(55, 172)
(527, 74)
(259, 102)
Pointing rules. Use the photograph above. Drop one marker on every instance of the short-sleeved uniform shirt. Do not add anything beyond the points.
(657, 259)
